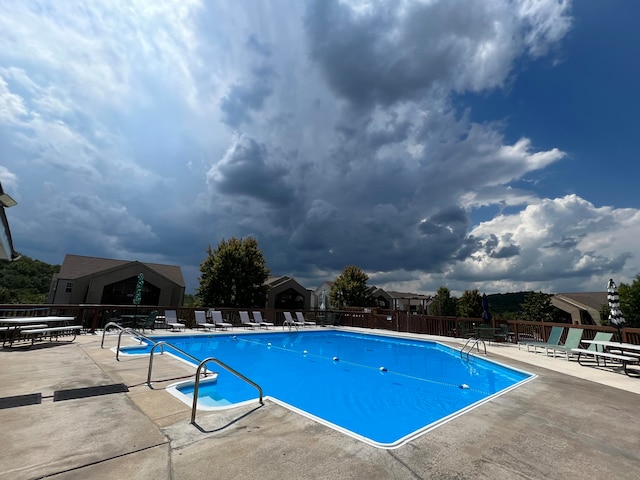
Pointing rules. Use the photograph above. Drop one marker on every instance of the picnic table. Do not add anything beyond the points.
(623, 352)
(18, 328)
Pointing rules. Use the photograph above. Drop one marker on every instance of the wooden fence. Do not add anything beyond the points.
(94, 317)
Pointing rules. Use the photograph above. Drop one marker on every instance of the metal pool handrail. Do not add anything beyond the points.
(196, 385)
(201, 364)
(106, 327)
(161, 344)
(123, 330)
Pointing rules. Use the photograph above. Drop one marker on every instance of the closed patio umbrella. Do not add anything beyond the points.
(137, 298)
(486, 314)
(615, 315)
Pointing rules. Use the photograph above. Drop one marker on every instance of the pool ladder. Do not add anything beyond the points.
(470, 344)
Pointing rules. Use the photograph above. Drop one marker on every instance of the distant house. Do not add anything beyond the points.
(94, 280)
(287, 294)
(410, 302)
(382, 298)
(584, 307)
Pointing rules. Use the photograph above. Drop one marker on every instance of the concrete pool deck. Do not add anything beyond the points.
(571, 421)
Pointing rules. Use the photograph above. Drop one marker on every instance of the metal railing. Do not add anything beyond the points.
(226, 367)
(123, 330)
(201, 363)
(470, 343)
(162, 344)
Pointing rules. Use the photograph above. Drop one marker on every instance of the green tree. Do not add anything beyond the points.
(444, 304)
(25, 280)
(470, 304)
(191, 301)
(233, 275)
(536, 307)
(350, 289)
(604, 314)
(630, 302)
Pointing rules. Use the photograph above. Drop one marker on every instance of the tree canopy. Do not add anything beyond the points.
(350, 289)
(537, 307)
(470, 304)
(444, 304)
(25, 281)
(630, 302)
(233, 275)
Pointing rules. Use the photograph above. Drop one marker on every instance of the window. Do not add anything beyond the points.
(69, 287)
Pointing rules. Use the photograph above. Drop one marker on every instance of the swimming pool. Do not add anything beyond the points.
(383, 390)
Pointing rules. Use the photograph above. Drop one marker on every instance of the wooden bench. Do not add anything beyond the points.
(625, 359)
(51, 332)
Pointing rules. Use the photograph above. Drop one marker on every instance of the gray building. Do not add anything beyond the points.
(287, 294)
(94, 280)
(584, 307)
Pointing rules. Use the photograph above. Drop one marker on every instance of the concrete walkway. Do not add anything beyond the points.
(570, 422)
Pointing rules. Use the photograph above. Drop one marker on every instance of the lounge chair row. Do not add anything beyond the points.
(573, 340)
(246, 320)
(572, 346)
(213, 319)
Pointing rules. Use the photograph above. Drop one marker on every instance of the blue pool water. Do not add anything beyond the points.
(383, 390)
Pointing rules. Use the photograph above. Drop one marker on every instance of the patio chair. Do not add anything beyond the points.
(486, 333)
(218, 322)
(554, 339)
(150, 322)
(201, 320)
(289, 321)
(171, 320)
(574, 337)
(463, 331)
(246, 321)
(600, 337)
(593, 348)
(257, 317)
(302, 320)
(503, 333)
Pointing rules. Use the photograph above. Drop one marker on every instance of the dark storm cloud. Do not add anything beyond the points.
(249, 95)
(506, 252)
(243, 100)
(246, 170)
(493, 248)
(566, 243)
(469, 246)
(384, 55)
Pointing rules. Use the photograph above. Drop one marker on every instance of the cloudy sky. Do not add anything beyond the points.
(488, 145)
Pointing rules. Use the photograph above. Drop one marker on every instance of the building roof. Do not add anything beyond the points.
(78, 266)
(593, 300)
(407, 295)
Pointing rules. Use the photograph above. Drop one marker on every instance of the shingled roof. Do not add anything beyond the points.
(78, 266)
(593, 300)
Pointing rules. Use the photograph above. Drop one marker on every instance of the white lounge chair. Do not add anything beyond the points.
(289, 321)
(246, 321)
(201, 320)
(257, 317)
(302, 320)
(218, 321)
(171, 320)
